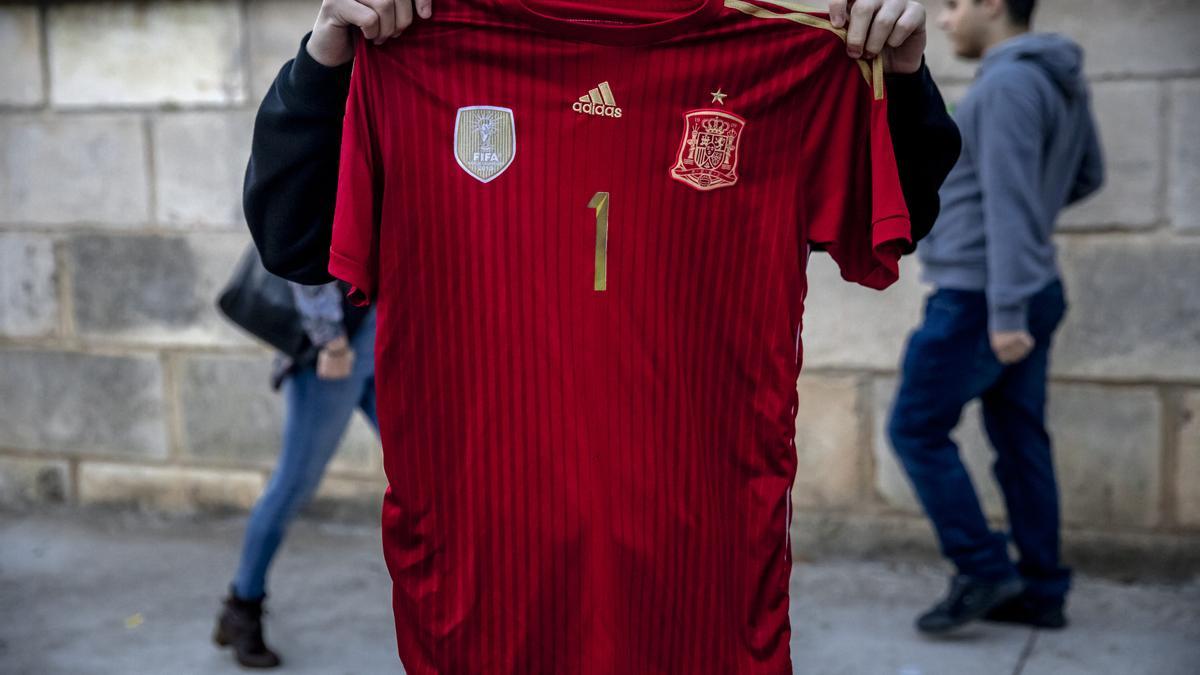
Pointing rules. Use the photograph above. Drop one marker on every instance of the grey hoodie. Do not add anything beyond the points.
(1030, 148)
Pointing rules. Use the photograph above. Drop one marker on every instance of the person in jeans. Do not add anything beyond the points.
(1029, 148)
(322, 392)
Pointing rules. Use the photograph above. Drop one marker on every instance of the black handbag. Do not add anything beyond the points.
(262, 304)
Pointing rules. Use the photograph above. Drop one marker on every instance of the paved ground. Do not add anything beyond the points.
(123, 594)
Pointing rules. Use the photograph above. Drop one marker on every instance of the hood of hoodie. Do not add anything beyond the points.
(1057, 56)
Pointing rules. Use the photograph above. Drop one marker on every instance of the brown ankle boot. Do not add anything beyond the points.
(240, 626)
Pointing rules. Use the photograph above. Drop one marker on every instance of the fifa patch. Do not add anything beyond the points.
(708, 153)
(485, 141)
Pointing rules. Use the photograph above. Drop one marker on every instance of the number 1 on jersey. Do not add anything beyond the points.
(600, 203)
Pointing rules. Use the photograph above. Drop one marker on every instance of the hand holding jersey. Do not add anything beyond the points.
(893, 28)
(378, 21)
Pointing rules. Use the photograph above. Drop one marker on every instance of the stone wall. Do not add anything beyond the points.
(124, 133)
(124, 130)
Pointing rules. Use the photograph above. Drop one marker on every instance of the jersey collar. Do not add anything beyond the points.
(611, 27)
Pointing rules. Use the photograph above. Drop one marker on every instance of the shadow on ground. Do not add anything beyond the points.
(124, 594)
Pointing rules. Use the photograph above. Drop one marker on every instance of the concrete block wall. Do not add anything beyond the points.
(1127, 362)
(124, 131)
(124, 134)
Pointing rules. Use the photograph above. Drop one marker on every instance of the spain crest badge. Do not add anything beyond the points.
(708, 153)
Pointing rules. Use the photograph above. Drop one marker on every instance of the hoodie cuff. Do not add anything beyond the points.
(1009, 318)
(908, 89)
(321, 88)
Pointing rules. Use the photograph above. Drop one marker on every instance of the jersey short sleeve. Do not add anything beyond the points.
(854, 208)
(354, 250)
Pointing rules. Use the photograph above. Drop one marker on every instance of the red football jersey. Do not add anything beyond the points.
(586, 229)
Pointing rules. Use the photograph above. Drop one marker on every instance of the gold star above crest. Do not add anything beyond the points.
(718, 96)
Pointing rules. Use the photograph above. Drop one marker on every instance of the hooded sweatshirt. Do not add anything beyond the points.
(1030, 148)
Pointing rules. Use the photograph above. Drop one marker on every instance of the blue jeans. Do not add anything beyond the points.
(948, 363)
(317, 414)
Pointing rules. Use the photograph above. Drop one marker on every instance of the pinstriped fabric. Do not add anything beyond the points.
(587, 481)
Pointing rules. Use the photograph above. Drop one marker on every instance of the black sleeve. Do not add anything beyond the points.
(291, 181)
(927, 144)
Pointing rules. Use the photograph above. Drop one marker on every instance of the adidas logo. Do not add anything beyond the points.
(598, 101)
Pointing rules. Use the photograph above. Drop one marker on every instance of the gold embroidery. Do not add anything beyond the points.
(600, 203)
(799, 6)
(485, 141)
(598, 101)
(709, 151)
